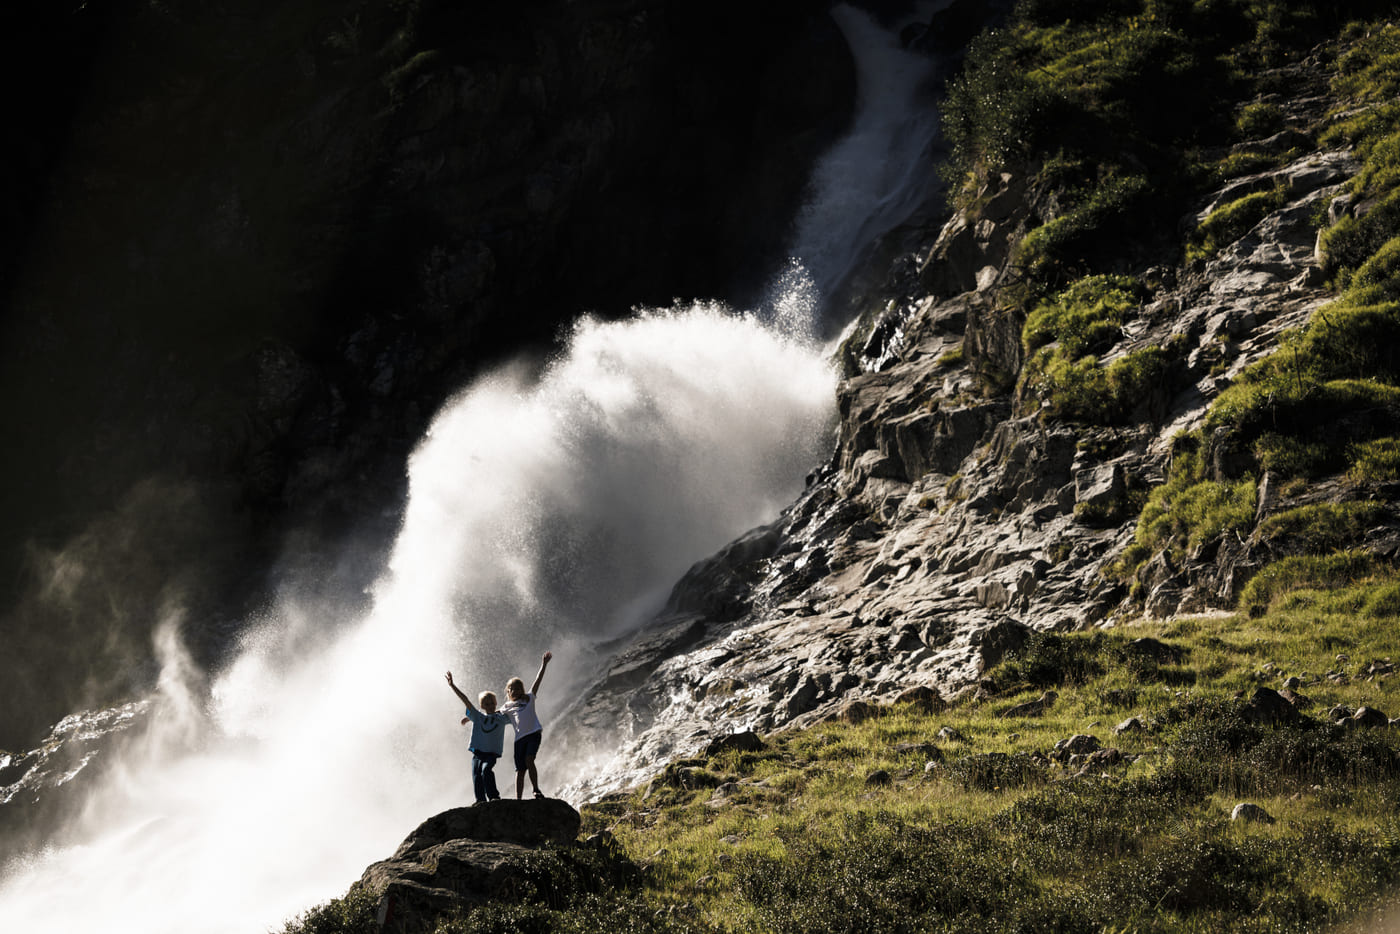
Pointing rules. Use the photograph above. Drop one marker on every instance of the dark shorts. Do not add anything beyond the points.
(525, 748)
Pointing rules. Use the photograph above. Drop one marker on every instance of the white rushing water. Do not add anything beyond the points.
(547, 510)
(877, 175)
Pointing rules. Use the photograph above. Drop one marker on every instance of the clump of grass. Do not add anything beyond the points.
(1229, 222)
(1085, 318)
(1306, 572)
(1320, 527)
(1259, 119)
(1063, 336)
(1286, 456)
(1375, 460)
(1181, 516)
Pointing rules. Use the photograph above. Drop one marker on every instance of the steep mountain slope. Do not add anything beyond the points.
(1013, 453)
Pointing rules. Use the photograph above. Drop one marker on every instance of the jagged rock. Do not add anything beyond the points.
(746, 741)
(532, 823)
(1369, 717)
(923, 698)
(927, 750)
(1251, 813)
(857, 711)
(1156, 650)
(1340, 712)
(1080, 744)
(1109, 755)
(1130, 725)
(465, 856)
(1102, 485)
(1032, 708)
(1267, 706)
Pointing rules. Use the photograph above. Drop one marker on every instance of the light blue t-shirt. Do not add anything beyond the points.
(488, 732)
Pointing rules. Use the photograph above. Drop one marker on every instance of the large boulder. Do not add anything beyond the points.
(532, 823)
(467, 856)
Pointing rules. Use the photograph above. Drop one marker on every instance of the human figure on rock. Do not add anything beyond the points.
(488, 741)
(520, 707)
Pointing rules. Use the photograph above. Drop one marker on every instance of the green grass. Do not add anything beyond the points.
(1002, 835)
(1229, 222)
(1063, 336)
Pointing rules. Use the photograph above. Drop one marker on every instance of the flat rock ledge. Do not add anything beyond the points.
(464, 857)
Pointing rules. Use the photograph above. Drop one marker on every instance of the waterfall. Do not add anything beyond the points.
(547, 510)
(878, 175)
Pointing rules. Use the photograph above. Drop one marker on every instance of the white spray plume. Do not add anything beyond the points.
(543, 513)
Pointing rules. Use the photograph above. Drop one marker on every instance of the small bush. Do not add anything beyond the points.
(1049, 660)
(356, 913)
(1353, 241)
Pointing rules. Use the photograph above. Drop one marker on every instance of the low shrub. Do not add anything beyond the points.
(356, 913)
(1049, 660)
(1100, 222)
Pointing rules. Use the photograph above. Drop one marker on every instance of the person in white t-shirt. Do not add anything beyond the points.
(520, 707)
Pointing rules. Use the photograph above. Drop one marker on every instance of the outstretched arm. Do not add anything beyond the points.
(455, 690)
(535, 688)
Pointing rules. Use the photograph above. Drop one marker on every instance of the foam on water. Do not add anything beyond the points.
(543, 513)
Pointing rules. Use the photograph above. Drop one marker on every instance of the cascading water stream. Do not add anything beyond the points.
(877, 176)
(548, 511)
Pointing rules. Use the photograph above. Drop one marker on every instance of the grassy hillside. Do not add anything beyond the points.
(969, 819)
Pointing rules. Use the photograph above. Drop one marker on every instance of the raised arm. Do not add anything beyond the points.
(535, 688)
(464, 697)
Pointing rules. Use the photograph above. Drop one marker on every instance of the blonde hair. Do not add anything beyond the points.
(486, 695)
(515, 687)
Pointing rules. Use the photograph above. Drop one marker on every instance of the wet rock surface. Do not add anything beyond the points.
(949, 522)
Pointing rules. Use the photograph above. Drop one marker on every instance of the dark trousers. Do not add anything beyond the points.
(484, 776)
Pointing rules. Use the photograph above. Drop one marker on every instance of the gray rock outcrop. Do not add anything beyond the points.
(953, 519)
(463, 857)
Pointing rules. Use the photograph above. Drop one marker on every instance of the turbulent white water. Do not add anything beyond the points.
(546, 510)
(542, 514)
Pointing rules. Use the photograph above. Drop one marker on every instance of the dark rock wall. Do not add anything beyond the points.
(251, 248)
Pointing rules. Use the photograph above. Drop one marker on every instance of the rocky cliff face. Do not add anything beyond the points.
(952, 519)
(254, 249)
